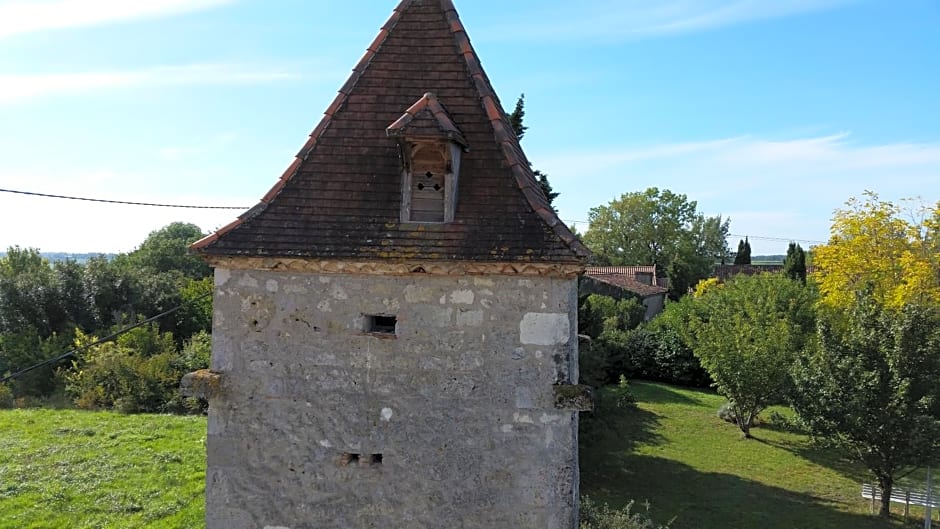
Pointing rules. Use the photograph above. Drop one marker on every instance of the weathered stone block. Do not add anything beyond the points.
(203, 384)
(574, 397)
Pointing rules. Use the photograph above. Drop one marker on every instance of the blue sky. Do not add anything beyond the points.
(772, 113)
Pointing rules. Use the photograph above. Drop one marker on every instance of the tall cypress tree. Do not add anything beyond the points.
(516, 120)
(794, 266)
(743, 257)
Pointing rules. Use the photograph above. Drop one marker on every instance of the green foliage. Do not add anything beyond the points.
(598, 314)
(611, 325)
(670, 357)
(547, 189)
(602, 516)
(659, 228)
(517, 118)
(747, 335)
(167, 250)
(657, 350)
(6, 397)
(43, 303)
(869, 386)
(196, 315)
(794, 266)
(140, 372)
(516, 121)
(743, 257)
(26, 348)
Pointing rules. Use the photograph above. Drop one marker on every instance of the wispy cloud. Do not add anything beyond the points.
(15, 88)
(202, 148)
(633, 19)
(784, 188)
(27, 16)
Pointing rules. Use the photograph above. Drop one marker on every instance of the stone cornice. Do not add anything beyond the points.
(431, 268)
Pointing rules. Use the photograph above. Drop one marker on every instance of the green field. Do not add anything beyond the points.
(86, 470)
(673, 451)
(71, 469)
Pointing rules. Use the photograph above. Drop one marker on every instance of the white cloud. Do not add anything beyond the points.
(27, 16)
(19, 87)
(631, 19)
(779, 188)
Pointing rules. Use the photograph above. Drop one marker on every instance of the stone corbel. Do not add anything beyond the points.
(203, 384)
(574, 397)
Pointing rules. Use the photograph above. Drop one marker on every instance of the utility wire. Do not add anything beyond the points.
(123, 202)
(108, 338)
(758, 237)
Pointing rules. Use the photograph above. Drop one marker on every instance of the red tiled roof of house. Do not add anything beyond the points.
(631, 285)
(341, 197)
(623, 270)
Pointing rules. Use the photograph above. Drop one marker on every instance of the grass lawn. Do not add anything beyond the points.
(673, 451)
(84, 470)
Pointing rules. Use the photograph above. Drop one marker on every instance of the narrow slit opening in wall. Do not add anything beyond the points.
(349, 459)
(376, 459)
(382, 324)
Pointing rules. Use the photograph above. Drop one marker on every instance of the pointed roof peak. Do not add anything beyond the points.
(341, 197)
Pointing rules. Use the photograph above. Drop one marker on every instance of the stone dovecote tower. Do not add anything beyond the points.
(395, 327)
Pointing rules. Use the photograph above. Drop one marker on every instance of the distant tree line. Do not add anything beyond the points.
(48, 308)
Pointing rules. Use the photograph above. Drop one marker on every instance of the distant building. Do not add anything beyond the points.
(627, 281)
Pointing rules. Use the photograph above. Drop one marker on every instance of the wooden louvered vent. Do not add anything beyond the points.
(430, 167)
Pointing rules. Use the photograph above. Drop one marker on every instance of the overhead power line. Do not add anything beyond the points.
(757, 237)
(74, 352)
(122, 202)
(778, 239)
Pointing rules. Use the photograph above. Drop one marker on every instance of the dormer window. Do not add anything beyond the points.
(431, 147)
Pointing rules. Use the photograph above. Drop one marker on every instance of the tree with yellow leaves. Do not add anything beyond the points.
(875, 244)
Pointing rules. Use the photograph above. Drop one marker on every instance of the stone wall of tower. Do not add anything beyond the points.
(450, 422)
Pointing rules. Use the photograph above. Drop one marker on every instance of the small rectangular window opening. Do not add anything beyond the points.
(376, 459)
(349, 459)
(382, 324)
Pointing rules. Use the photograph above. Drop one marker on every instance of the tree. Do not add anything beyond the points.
(870, 386)
(893, 250)
(167, 250)
(661, 228)
(743, 257)
(747, 333)
(516, 120)
(794, 265)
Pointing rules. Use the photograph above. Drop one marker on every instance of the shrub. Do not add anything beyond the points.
(726, 413)
(598, 314)
(6, 397)
(594, 516)
(114, 375)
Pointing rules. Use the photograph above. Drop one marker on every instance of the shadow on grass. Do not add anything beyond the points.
(831, 458)
(608, 432)
(702, 500)
(656, 393)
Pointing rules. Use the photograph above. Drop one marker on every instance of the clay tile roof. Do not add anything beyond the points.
(341, 197)
(426, 118)
(631, 285)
